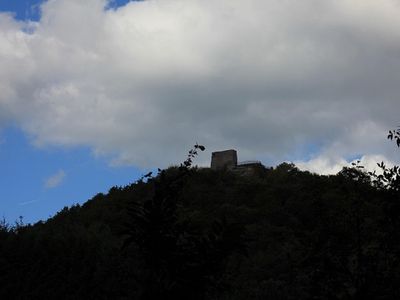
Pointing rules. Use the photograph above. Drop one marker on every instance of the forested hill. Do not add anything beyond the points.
(191, 233)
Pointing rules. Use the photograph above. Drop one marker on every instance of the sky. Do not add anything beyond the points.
(94, 93)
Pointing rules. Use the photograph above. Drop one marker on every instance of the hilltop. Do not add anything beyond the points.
(190, 233)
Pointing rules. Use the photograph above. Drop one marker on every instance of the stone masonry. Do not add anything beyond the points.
(224, 160)
(227, 160)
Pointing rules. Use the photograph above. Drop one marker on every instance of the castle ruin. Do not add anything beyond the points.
(227, 160)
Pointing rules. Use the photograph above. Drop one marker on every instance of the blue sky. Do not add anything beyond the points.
(25, 169)
(30, 9)
(22, 9)
(93, 93)
(25, 172)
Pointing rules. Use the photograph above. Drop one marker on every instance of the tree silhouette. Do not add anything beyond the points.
(181, 262)
(394, 135)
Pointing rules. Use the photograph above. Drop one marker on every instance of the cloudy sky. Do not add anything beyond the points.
(95, 92)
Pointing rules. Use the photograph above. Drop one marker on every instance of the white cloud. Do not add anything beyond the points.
(145, 81)
(369, 162)
(323, 165)
(326, 165)
(27, 202)
(55, 180)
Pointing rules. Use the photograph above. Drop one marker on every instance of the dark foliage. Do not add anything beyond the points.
(180, 261)
(394, 135)
(192, 233)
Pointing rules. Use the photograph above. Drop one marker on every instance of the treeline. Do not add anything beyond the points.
(190, 233)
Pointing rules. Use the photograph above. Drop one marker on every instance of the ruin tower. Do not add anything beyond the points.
(224, 159)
